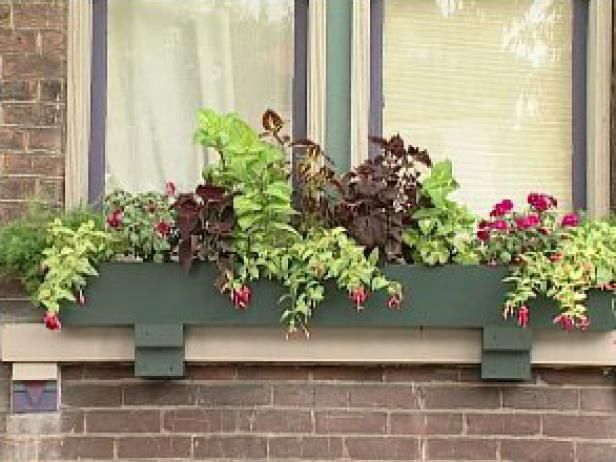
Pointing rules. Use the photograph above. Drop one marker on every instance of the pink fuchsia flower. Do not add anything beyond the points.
(565, 321)
(81, 298)
(523, 316)
(570, 220)
(241, 297)
(358, 296)
(51, 320)
(541, 202)
(170, 189)
(503, 207)
(583, 322)
(163, 228)
(114, 219)
(394, 302)
(500, 225)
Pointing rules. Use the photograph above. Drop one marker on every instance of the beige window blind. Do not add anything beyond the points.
(487, 84)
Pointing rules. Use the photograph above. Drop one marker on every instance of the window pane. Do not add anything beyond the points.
(488, 84)
(167, 59)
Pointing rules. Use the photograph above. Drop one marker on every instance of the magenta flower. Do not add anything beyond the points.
(51, 320)
(526, 222)
(503, 207)
(570, 220)
(241, 297)
(541, 202)
(565, 321)
(394, 302)
(523, 316)
(358, 296)
(500, 225)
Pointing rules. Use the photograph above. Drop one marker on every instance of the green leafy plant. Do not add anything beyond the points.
(23, 241)
(305, 266)
(143, 224)
(256, 174)
(443, 231)
(69, 258)
(584, 258)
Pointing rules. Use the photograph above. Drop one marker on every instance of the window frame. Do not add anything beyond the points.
(579, 129)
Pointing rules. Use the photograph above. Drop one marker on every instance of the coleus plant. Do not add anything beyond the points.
(205, 221)
(376, 199)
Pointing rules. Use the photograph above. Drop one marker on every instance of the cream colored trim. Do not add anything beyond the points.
(78, 102)
(33, 343)
(598, 94)
(34, 371)
(316, 72)
(360, 83)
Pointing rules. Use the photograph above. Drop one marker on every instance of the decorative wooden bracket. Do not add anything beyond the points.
(159, 350)
(506, 353)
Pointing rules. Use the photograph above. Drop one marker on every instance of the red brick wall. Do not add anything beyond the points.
(322, 413)
(32, 103)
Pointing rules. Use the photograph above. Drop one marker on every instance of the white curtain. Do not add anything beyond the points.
(167, 59)
(488, 84)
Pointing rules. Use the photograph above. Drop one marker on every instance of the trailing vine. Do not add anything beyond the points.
(70, 257)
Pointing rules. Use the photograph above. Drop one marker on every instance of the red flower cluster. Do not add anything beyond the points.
(570, 220)
(541, 202)
(527, 222)
(241, 297)
(505, 220)
(114, 219)
(567, 323)
(51, 320)
(359, 297)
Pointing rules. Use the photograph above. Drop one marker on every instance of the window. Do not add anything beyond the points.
(498, 87)
(521, 102)
(156, 62)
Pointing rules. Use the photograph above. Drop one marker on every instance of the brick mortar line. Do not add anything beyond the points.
(359, 384)
(398, 411)
(274, 435)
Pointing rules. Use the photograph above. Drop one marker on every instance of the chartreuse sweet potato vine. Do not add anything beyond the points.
(584, 258)
(256, 173)
(70, 256)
